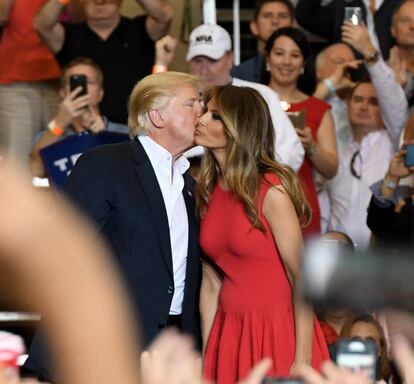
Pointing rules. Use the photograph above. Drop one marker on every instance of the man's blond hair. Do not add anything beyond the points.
(155, 92)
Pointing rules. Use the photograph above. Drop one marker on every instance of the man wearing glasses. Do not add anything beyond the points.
(363, 161)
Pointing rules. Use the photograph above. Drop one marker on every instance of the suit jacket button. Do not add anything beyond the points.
(170, 289)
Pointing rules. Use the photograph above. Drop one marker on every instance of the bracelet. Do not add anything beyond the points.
(330, 85)
(389, 184)
(158, 68)
(63, 2)
(55, 129)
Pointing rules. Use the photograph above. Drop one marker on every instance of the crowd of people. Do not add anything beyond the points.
(297, 142)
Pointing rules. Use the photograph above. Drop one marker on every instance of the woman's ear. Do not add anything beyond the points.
(156, 118)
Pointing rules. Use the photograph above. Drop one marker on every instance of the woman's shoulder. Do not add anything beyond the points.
(269, 180)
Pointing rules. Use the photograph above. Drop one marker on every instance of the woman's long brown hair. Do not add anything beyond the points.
(250, 154)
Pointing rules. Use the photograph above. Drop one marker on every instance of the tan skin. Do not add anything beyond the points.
(281, 216)
(286, 63)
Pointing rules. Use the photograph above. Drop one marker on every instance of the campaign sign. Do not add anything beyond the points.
(59, 158)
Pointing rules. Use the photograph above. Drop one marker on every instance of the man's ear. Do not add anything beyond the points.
(156, 118)
(253, 28)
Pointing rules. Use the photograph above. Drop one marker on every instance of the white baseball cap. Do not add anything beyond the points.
(209, 40)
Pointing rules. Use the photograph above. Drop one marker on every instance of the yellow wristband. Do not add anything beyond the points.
(63, 2)
(55, 129)
(158, 68)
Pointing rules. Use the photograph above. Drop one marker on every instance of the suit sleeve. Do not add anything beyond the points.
(387, 224)
(314, 17)
(89, 187)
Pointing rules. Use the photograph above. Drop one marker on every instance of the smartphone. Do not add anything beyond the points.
(76, 81)
(358, 355)
(281, 380)
(298, 118)
(354, 15)
(409, 155)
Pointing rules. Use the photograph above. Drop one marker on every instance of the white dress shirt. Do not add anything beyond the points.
(170, 179)
(350, 196)
(288, 148)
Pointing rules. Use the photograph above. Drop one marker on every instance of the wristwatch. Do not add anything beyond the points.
(373, 57)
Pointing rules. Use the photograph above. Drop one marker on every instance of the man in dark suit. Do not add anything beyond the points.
(142, 203)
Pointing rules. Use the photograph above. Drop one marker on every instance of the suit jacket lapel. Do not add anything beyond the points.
(153, 194)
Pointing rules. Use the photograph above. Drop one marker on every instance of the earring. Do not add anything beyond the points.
(302, 71)
(267, 66)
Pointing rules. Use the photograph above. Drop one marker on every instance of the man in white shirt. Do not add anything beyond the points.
(363, 161)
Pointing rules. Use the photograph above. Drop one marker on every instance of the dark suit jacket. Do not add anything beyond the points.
(392, 229)
(326, 21)
(115, 185)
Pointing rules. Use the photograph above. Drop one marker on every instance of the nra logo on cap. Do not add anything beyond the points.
(204, 39)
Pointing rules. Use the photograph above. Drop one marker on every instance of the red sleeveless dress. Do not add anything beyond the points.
(255, 316)
(315, 110)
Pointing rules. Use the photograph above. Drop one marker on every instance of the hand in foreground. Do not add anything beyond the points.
(332, 374)
(171, 359)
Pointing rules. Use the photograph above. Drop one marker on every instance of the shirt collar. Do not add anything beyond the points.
(158, 155)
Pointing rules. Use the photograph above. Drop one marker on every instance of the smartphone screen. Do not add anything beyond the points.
(354, 15)
(357, 355)
(409, 155)
(76, 81)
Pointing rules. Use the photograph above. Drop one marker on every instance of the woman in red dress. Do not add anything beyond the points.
(286, 53)
(251, 209)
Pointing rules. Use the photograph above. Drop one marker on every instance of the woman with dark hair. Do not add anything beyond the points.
(365, 326)
(251, 208)
(286, 52)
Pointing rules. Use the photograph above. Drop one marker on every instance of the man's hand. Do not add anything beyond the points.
(357, 36)
(165, 50)
(340, 77)
(92, 121)
(398, 66)
(71, 107)
(397, 168)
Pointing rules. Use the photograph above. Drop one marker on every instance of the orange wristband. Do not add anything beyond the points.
(55, 129)
(63, 2)
(158, 68)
